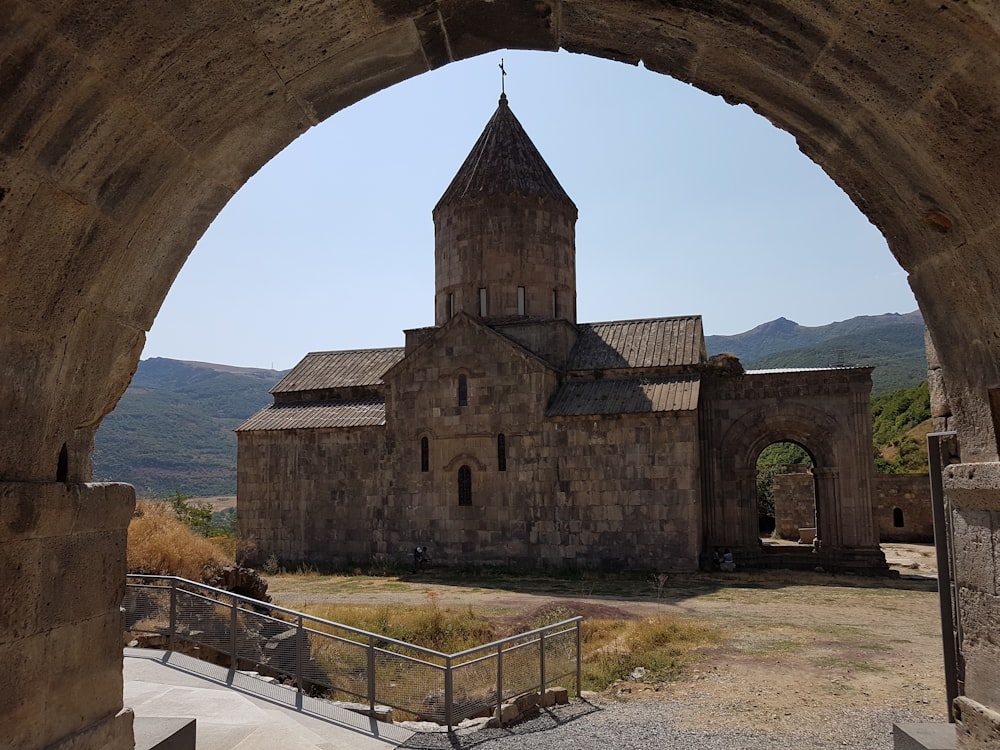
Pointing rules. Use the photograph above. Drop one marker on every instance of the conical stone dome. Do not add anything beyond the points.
(504, 232)
(504, 161)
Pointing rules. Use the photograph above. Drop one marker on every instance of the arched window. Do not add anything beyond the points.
(463, 391)
(425, 455)
(501, 452)
(897, 518)
(465, 486)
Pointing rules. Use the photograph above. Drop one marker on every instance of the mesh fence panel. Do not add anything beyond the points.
(410, 683)
(521, 668)
(204, 621)
(338, 664)
(269, 642)
(474, 685)
(560, 658)
(147, 608)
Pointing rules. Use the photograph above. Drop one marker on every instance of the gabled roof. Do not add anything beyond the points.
(441, 333)
(321, 370)
(658, 342)
(626, 396)
(504, 161)
(313, 414)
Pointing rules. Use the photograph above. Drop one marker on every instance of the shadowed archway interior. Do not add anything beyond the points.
(127, 127)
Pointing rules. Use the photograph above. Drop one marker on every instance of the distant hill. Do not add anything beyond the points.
(892, 343)
(173, 428)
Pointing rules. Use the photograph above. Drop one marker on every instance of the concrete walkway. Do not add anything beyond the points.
(240, 712)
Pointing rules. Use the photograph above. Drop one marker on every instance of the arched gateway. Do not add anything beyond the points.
(827, 412)
(127, 126)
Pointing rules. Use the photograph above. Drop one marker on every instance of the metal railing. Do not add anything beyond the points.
(347, 663)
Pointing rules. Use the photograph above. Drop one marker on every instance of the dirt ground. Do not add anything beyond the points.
(798, 649)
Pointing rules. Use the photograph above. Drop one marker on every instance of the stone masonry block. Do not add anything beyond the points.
(978, 726)
(973, 486)
(87, 684)
(975, 561)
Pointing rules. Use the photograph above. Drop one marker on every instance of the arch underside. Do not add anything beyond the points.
(126, 128)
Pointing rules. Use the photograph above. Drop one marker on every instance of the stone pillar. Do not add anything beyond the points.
(62, 557)
(972, 494)
(828, 520)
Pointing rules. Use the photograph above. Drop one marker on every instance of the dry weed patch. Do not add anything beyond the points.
(612, 649)
(160, 544)
(662, 646)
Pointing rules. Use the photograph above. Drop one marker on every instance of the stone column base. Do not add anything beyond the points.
(62, 553)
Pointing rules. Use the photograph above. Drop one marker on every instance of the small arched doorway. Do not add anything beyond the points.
(786, 492)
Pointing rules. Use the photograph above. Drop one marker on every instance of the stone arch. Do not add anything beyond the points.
(128, 127)
(826, 412)
(805, 425)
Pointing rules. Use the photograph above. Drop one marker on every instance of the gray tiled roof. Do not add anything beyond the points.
(504, 161)
(658, 342)
(785, 370)
(321, 370)
(626, 396)
(312, 414)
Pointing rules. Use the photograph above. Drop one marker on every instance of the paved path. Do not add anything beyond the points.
(240, 712)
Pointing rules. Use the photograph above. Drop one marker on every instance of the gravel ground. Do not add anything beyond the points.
(649, 725)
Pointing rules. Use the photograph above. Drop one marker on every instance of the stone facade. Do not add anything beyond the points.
(901, 506)
(510, 434)
(794, 503)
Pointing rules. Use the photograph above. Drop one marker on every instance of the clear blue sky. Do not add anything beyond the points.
(687, 206)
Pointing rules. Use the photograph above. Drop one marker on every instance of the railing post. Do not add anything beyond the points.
(942, 545)
(171, 639)
(500, 684)
(579, 680)
(371, 673)
(541, 661)
(232, 634)
(300, 649)
(448, 693)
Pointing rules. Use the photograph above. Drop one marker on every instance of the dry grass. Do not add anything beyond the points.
(663, 646)
(611, 648)
(429, 625)
(159, 544)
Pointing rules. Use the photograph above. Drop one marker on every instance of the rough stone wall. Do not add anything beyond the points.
(794, 504)
(62, 550)
(973, 492)
(600, 491)
(911, 494)
(474, 229)
(310, 495)
(621, 493)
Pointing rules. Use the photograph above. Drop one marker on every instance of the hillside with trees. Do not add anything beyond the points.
(172, 430)
(893, 344)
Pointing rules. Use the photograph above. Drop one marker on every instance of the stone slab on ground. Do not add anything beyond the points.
(923, 736)
(164, 733)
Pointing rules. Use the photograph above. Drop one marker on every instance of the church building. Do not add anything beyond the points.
(510, 433)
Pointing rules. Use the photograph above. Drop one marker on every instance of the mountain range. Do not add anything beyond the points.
(172, 430)
(893, 344)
